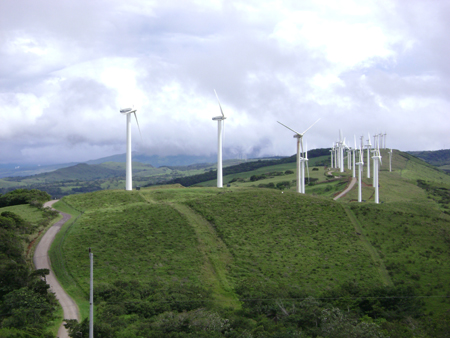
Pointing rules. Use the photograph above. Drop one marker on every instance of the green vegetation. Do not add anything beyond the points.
(247, 167)
(253, 262)
(27, 307)
(24, 196)
(438, 158)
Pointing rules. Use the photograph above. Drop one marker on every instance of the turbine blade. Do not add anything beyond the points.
(307, 170)
(309, 127)
(219, 103)
(137, 124)
(290, 128)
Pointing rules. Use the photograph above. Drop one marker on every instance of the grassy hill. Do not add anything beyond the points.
(84, 177)
(438, 158)
(256, 262)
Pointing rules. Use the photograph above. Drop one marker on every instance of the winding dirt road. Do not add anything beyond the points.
(350, 186)
(42, 261)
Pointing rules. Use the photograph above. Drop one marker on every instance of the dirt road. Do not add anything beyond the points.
(350, 186)
(42, 261)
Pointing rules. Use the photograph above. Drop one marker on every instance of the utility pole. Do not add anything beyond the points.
(91, 296)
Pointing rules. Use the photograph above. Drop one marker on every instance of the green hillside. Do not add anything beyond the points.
(247, 261)
(82, 178)
(438, 158)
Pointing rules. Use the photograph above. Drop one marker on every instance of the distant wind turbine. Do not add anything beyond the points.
(354, 161)
(360, 164)
(300, 174)
(390, 160)
(376, 161)
(220, 124)
(129, 172)
(369, 145)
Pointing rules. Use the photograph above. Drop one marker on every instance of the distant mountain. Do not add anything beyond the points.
(158, 161)
(435, 157)
(12, 170)
(438, 158)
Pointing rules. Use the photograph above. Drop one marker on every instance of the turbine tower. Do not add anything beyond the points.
(129, 173)
(354, 162)
(220, 124)
(300, 170)
(360, 164)
(390, 159)
(376, 162)
(332, 151)
(369, 145)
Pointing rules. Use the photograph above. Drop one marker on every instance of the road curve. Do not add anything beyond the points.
(350, 186)
(42, 261)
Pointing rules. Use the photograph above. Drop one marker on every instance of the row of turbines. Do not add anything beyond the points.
(337, 154)
(337, 159)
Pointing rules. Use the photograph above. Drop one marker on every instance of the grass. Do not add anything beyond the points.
(224, 239)
(414, 241)
(58, 260)
(305, 242)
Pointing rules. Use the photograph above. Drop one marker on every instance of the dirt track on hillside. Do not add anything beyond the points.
(42, 261)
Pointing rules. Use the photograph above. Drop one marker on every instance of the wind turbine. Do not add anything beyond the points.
(390, 159)
(220, 123)
(360, 164)
(129, 173)
(376, 160)
(332, 151)
(299, 137)
(354, 162)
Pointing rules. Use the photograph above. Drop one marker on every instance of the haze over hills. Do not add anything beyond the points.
(13, 170)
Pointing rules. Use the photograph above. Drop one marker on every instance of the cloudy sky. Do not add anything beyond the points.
(67, 67)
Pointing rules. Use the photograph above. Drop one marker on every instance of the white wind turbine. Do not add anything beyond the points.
(376, 161)
(369, 145)
(332, 151)
(129, 173)
(300, 163)
(220, 124)
(390, 157)
(354, 162)
(360, 164)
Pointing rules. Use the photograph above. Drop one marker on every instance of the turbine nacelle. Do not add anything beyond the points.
(127, 110)
(219, 118)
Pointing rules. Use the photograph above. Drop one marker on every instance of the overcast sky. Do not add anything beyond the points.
(67, 67)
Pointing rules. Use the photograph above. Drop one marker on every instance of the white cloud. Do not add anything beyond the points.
(358, 65)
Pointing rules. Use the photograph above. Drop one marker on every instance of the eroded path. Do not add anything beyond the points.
(42, 261)
(216, 254)
(378, 262)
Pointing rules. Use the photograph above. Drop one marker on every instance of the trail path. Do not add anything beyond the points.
(216, 254)
(42, 261)
(378, 262)
(350, 186)
(214, 250)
